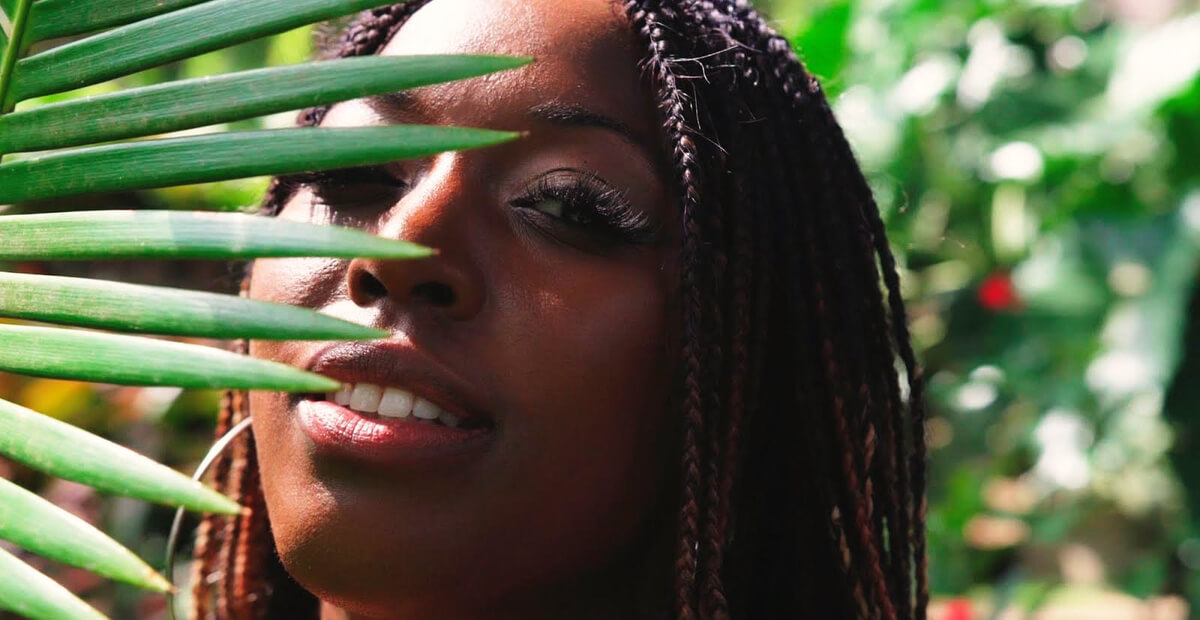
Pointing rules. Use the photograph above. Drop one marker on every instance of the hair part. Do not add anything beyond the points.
(802, 468)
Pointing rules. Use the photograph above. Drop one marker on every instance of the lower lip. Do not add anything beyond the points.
(346, 433)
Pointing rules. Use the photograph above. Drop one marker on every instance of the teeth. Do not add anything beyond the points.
(391, 403)
(365, 397)
(396, 403)
(426, 410)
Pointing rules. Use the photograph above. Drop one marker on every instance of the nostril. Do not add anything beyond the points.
(371, 286)
(436, 293)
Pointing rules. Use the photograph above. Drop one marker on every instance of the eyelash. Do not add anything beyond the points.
(589, 203)
(324, 183)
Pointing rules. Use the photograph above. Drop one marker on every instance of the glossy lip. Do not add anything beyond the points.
(342, 432)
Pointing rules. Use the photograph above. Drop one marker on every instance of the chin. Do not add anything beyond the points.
(368, 571)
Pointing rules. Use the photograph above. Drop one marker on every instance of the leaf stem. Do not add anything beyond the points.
(16, 47)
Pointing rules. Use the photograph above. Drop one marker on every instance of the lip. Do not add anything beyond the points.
(344, 433)
(341, 432)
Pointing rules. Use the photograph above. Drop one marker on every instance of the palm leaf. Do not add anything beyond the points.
(13, 47)
(121, 37)
(38, 441)
(177, 161)
(129, 360)
(29, 593)
(222, 99)
(166, 234)
(36, 525)
(156, 310)
(65, 18)
(164, 38)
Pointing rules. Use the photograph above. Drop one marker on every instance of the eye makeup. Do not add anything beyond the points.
(348, 188)
(573, 206)
(585, 203)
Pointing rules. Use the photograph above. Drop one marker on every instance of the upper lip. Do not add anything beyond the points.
(399, 364)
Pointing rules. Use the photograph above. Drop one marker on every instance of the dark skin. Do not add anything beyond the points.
(555, 313)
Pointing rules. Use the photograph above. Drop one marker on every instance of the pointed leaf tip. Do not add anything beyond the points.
(172, 161)
(158, 310)
(29, 593)
(37, 441)
(129, 360)
(186, 234)
(34, 524)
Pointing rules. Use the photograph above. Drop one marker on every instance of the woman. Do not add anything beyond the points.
(649, 374)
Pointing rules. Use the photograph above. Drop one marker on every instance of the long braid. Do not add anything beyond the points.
(885, 380)
(805, 311)
(903, 342)
(249, 576)
(242, 471)
(719, 365)
(831, 142)
(732, 319)
(895, 467)
(917, 461)
(734, 19)
(904, 532)
(227, 556)
(915, 465)
(210, 535)
(859, 508)
(729, 328)
(673, 107)
(850, 521)
(854, 421)
(863, 495)
(741, 294)
(786, 205)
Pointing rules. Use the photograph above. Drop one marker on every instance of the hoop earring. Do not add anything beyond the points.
(177, 524)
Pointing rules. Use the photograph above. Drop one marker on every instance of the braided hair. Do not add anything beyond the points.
(802, 468)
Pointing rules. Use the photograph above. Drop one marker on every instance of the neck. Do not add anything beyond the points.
(601, 600)
(630, 588)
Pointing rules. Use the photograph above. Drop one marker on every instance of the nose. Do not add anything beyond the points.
(448, 283)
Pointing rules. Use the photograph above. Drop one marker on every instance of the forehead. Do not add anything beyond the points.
(529, 27)
(584, 51)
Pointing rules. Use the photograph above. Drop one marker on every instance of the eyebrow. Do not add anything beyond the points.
(392, 105)
(400, 105)
(577, 115)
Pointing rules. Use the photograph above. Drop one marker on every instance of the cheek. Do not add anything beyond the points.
(309, 282)
(287, 476)
(589, 339)
(591, 432)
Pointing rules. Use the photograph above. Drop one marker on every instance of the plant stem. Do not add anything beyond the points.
(16, 47)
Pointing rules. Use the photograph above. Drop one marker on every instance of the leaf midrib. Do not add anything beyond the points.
(14, 49)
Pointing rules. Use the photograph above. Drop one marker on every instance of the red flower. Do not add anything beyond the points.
(997, 293)
(958, 609)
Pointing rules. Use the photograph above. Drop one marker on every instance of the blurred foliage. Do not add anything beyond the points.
(1038, 164)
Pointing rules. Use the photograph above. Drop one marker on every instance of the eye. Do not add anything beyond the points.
(351, 188)
(583, 204)
(550, 206)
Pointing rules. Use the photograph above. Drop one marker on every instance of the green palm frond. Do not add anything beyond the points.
(34, 595)
(35, 524)
(63, 149)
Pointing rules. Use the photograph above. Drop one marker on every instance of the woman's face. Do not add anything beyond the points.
(543, 325)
